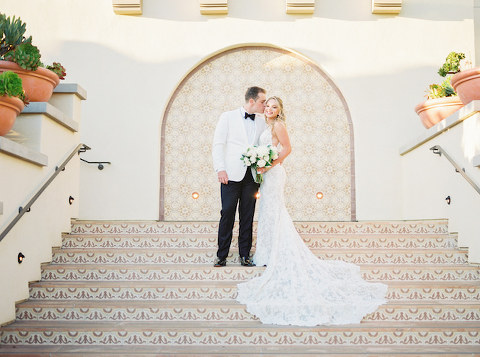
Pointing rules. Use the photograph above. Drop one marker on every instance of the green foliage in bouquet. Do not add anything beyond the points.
(26, 56)
(12, 33)
(11, 85)
(58, 69)
(452, 64)
(444, 89)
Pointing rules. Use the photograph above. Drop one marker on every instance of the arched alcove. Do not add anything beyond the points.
(318, 121)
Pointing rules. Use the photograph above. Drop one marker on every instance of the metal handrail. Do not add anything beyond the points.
(437, 149)
(22, 210)
(100, 163)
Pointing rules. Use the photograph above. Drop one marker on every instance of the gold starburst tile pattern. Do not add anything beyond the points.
(317, 119)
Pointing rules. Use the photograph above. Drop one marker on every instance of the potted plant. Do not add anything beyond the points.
(12, 100)
(452, 64)
(18, 54)
(466, 81)
(441, 102)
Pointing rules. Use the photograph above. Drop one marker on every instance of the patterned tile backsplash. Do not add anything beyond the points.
(318, 121)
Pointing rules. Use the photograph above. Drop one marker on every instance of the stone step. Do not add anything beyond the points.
(313, 241)
(207, 310)
(250, 333)
(226, 290)
(207, 256)
(434, 226)
(179, 272)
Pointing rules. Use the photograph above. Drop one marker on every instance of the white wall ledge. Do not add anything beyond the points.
(460, 115)
(22, 152)
(52, 112)
(476, 161)
(71, 88)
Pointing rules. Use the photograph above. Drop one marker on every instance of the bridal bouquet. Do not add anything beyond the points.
(259, 156)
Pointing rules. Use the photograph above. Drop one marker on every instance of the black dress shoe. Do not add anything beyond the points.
(246, 262)
(220, 262)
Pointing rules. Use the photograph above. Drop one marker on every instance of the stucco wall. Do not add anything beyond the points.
(130, 66)
(429, 179)
(39, 230)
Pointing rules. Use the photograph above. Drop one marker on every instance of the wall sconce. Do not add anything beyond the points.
(195, 195)
(319, 195)
(70, 200)
(20, 258)
(448, 199)
(257, 195)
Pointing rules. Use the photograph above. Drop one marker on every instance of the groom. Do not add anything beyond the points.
(235, 132)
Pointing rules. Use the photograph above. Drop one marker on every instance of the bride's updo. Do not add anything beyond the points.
(281, 114)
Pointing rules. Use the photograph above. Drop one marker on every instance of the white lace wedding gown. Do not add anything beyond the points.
(297, 288)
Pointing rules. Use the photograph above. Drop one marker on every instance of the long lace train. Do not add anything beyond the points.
(297, 288)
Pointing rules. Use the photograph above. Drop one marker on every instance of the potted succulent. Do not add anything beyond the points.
(452, 64)
(18, 54)
(441, 102)
(12, 100)
(466, 81)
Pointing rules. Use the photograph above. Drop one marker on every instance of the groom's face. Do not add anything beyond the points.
(259, 105)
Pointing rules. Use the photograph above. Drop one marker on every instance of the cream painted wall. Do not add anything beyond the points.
(428, 179)
(40, 229)
(130, 65)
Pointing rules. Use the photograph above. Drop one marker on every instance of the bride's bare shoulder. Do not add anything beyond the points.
(279, 127)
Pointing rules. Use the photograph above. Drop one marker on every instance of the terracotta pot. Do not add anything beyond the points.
(467, 84)
(38, 85)
(434, 110)
(10, 107)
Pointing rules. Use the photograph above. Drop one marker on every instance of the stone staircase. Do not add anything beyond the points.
(150, 288)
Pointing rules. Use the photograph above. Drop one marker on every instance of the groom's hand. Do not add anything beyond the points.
(223, 177)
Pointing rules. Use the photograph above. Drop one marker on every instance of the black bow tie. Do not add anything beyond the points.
(251, 116)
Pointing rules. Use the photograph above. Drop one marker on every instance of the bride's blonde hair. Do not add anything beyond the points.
(281, 114)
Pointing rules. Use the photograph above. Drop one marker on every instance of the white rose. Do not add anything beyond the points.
(262, 150)
(246, 161)
(261, 163)
(253, 160)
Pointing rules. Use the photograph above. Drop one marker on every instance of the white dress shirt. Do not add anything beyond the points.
(249, 127)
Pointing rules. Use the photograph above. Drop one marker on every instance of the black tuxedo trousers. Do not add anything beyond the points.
(241, 193)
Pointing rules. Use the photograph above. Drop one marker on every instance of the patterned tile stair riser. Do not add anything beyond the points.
(172, 291)
(202, 228)
(150, 286)
(313, 241)
(243, 334)
(195, 272)
(220, 311)
(206, 256)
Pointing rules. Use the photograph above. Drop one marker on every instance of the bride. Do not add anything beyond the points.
(297, 288)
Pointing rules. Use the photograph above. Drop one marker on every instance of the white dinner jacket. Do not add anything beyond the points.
(230, 142)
